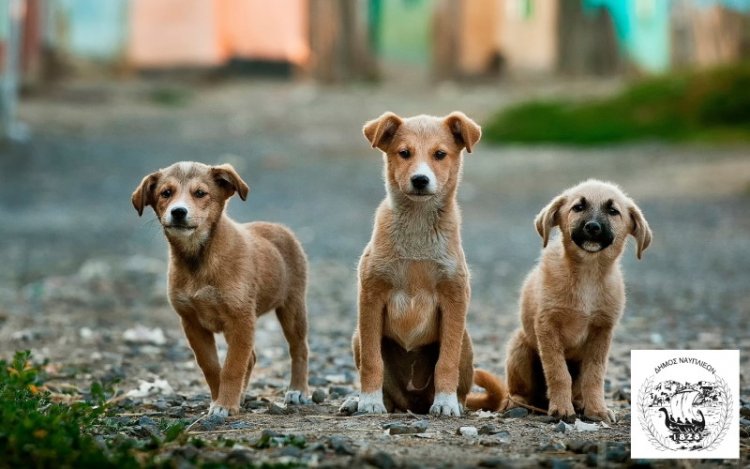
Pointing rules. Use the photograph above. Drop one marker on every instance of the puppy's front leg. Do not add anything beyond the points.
(239, 350)
(202, 342)
(593, 369)
(453, 303)
(552, 356)
(370, 328)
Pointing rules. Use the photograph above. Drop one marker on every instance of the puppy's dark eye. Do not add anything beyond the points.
(166, 193)
(578, 207)
(613, 211)
(440, 154)
(404, 153)
(200, 194)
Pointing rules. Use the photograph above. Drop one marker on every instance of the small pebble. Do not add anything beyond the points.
(562, 427)
(210, 423)
(401, 428)
(273, 409)
(468, 432)
(489, 429)
(516, 413)
(582, 446)
(617, 452)
(496, 439)
(553, 446)
(341, 445)
(382, 460)
(319, 396)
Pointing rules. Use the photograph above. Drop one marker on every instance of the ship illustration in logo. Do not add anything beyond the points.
(684, 415)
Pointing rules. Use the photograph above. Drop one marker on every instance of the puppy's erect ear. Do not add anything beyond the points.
(228, 179)
(548, 218)
(466, 132)
(144, 193)
(379, 132)
(640, 230)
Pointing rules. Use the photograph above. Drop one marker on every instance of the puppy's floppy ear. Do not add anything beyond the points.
(640, 230)
(466, 132)
(379, 132)
(228, 179)
(548, 218)
(143, 195)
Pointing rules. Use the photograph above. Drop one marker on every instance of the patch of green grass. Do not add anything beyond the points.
(700, 106)
(42, 429)
(37, 431)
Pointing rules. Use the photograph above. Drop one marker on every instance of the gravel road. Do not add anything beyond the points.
(82, 268)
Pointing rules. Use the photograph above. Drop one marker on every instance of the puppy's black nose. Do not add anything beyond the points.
(420, 181)
(179, 213)
(592, 228)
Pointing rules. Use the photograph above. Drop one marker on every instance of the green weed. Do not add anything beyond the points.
(700, 106)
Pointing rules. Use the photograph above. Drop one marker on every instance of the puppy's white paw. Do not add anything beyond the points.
(217, 411)
(371, 403)
(446, 404)
(293, 397)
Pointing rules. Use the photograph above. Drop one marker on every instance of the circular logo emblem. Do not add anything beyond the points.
(678, 414)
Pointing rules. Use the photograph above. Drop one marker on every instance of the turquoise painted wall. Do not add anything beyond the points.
(642, 29)
(94, 29)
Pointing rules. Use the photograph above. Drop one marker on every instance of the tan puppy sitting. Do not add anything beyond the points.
(411, 346)
(572, 300)
(223, 275)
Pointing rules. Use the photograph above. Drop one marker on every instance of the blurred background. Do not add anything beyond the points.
(652, 94)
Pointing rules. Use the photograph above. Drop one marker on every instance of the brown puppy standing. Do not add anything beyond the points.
(572, 300)
(411, 346)
(223, 275)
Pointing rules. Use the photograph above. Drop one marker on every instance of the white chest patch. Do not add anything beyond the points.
(412, 318)
(588, 297)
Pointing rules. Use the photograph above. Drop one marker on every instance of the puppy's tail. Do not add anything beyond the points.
(495, 396)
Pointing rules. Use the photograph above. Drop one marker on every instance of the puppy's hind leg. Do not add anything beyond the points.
(293, 319)
(248, 373)
(520, 371)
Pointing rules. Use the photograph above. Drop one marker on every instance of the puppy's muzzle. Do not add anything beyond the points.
(593, 235)
(178, 219)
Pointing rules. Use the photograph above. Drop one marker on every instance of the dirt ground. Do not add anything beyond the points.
(84, 279)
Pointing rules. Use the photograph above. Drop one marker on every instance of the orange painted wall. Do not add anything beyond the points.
(270, 30)
(173, 33)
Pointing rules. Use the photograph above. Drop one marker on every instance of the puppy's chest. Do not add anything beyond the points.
(592, 309)
(208, 305)
(412, 304)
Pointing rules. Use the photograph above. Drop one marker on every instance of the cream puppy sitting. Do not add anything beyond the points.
(572, 300)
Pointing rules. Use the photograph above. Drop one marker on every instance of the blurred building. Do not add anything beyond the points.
(337, 40)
